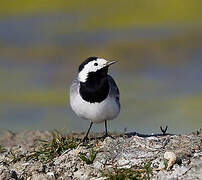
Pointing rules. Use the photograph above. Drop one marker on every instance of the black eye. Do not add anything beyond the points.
(95, 64)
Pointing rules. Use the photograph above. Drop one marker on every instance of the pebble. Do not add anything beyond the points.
(171, 157)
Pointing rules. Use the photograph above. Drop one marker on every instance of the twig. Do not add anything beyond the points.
(164, 130)
(186, 171)
(165, 142)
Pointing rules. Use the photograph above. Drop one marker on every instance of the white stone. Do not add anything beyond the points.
(171, 157)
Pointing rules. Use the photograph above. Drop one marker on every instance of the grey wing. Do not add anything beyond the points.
(74, 87)
(114, 90)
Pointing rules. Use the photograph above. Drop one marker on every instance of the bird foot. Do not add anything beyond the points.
(107, 135)
(85, 139)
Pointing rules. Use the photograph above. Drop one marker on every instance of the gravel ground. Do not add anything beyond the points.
(147, 156)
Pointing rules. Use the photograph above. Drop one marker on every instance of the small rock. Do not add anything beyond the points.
(51, 175)
(98, 165)
(171, 157)
(153, 138)
(124, 163)
(81, 174)
(39, 177)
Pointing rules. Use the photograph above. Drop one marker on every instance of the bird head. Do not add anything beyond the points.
(93, 65)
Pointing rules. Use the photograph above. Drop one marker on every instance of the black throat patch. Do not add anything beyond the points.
(96, 88)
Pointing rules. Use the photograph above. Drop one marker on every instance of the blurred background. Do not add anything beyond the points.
(158, 45)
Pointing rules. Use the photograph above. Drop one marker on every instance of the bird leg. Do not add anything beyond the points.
(106, 132)
(86, 135)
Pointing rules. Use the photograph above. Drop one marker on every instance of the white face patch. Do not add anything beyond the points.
(92, 66)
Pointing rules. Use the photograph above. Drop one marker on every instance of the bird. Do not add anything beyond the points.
(94, 95)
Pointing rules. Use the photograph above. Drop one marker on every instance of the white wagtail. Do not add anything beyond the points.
(94, 94)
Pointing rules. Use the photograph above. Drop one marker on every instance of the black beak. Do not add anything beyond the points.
(110, 62)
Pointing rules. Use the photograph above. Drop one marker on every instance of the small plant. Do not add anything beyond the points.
(90, 159)
(133, 173)
(15, 157)
(1, 148)
(148, 169)
(47, 150)
(198, 131)
(121, 174)
(165, 162)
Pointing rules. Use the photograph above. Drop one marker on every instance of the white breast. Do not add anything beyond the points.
(95, 112)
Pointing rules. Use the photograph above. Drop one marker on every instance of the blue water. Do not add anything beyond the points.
(152, 95)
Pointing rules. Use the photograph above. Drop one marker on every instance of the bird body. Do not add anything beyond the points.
(96, 112)
(94, 95)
